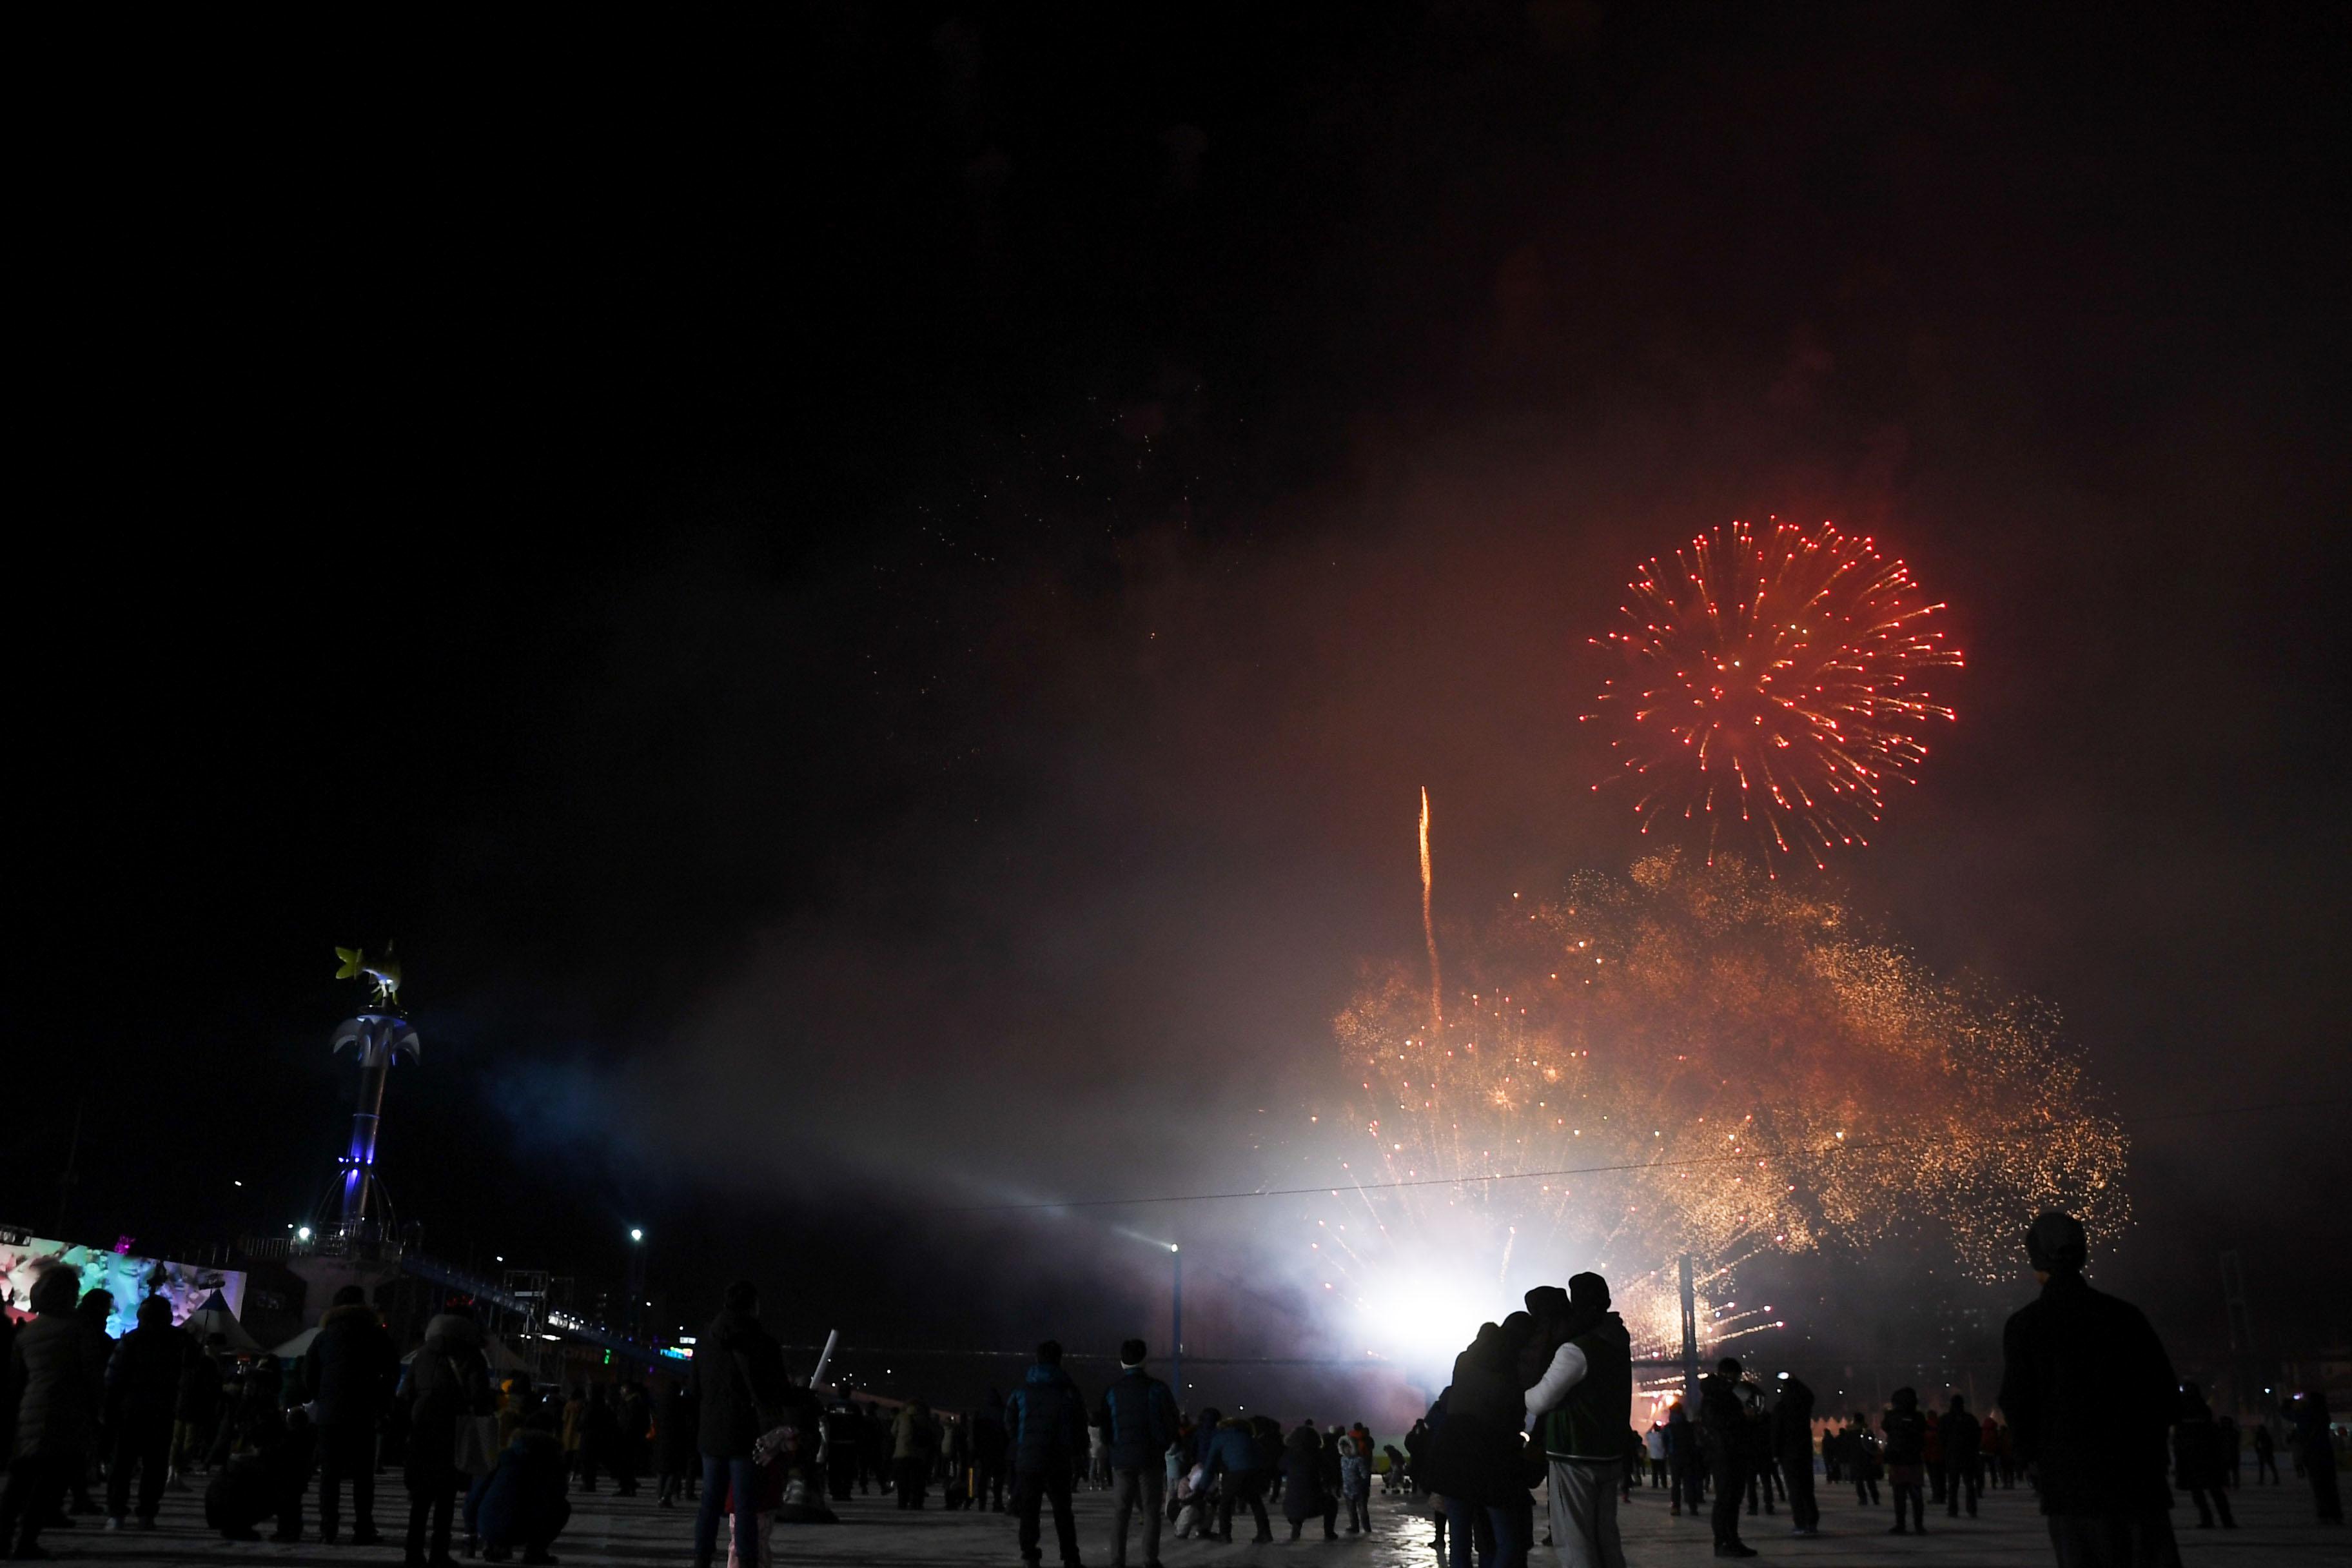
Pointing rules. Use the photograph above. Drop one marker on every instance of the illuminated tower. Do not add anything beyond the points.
(376, 1037)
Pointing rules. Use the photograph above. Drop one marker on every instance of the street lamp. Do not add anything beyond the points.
(637, 1281)
(1176, 1324)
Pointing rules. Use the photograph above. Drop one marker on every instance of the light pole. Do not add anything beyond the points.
(636, 1282)
(1176, 1326)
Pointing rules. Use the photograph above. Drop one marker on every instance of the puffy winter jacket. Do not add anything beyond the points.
(1045, 1421)
(1140, 1414)
(56, 1380)
(1234, 1449)
(350, 1368)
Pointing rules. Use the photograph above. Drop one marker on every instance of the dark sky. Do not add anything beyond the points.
(868, 599)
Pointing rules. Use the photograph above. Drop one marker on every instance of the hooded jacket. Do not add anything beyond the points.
(450, 1378)
(1234, 1449)
(2090, 1396)
(350, 1368)
(1582, 1399)
(1302, 1475)
(1474, 1453)
(1045, 1421)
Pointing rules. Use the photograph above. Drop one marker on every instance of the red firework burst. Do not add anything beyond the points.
(1777, 679)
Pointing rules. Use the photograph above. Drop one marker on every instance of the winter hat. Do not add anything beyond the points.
(1131, 1353)
(1545, 1301)
(1589, 1292)
(2055, 1243)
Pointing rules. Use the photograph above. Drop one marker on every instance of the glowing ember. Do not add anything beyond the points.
(1774, 681)
(1695, 1060)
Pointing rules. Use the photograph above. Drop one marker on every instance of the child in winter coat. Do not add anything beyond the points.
(1356, 1482)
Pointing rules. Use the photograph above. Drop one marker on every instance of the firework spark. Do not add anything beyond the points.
(1778, 680)
(1699, 1059)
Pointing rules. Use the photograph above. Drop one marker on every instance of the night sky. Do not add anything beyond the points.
(868, 599)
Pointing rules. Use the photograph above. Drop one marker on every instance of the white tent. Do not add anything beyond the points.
(297, 1347)
(214, 1318)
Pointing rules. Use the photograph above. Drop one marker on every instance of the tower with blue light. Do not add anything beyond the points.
(375, 1036)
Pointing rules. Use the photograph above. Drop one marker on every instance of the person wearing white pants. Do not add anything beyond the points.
(1579, 1410)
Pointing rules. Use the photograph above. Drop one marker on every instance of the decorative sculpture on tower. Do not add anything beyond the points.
(376, 1037)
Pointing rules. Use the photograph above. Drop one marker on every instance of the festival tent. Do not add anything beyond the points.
(298, 1347)
(214, 1318)
(496, 1350)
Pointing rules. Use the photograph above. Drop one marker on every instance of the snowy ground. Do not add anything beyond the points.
(2275, 1528)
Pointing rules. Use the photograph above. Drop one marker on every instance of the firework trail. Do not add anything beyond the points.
(1429, 926)
(1778, 679)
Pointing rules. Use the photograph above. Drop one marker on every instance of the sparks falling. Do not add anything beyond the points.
(1773, 686)
(1698, 1059)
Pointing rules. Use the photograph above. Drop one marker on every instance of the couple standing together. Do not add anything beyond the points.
(1562, 1372)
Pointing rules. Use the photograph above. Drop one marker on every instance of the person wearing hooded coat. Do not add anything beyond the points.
(1045, 1428)
(2090, 1396)
(142, 1390)
(1302, 1489)
(54, 1384)
(740, 1385)
(2199, 1462)
(448, 1381)
(1792, 1439)
(524, 1503)
(1478, 1456)
(1577, 1408)
(351, 1369)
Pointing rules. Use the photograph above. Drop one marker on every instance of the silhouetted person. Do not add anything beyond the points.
(142, 1390)
(1723, 1433)
(1139, 1422)
(524, 1505)
(449, 1382)
(351, 1370)
(2090, 1396)
(1961, 1440)
(1861, 1446)
(2198, 1462)
(2319, 1451)
(2265, 1454)
(1792, 1437)
(1045, 1428)
(988, 1453)
(676, 1429)
(740, 1387)
(54, 1384)
(1577, 1409)
(1906, 1460)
